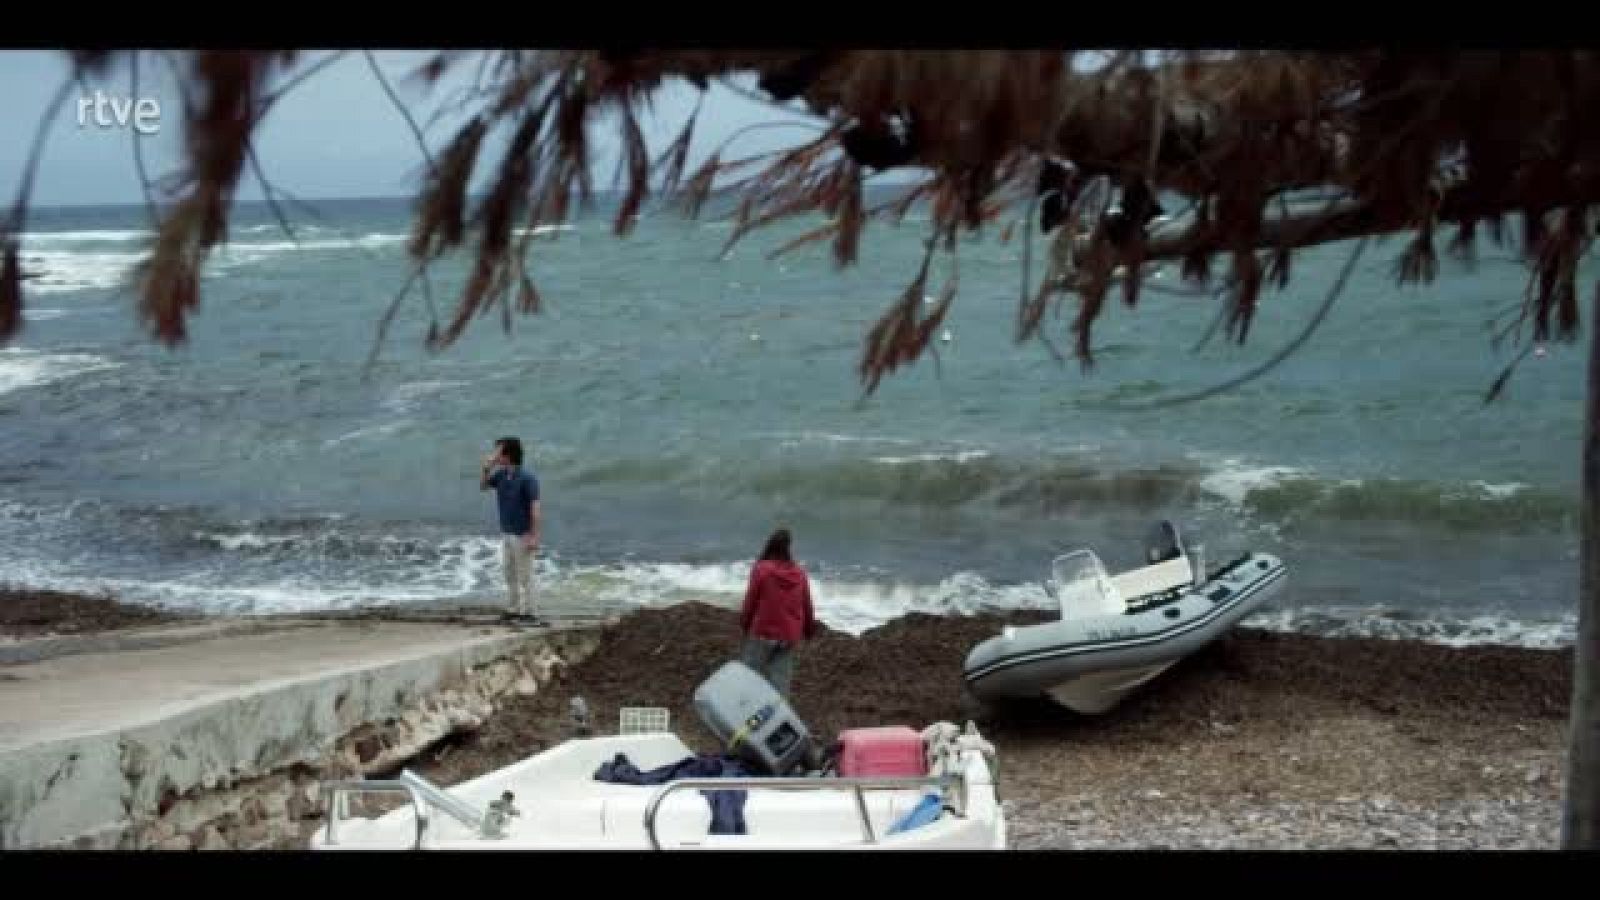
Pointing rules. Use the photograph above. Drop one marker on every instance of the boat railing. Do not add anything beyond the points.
(422, 793)
(858, 786)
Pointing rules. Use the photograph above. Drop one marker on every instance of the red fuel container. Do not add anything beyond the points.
(890, 752)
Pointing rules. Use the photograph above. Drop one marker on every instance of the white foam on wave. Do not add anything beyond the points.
(1500, 491)
(55, 270)
(461, 568)
(63, 271)
(248, 540)
(386, 428)
(714, 578)
(795, 438)
(858, 606)
(963, 456)
(404, 398)
(52, 238)
(543, 229)
(1373, 622)
(375, 239)
(211, 597)
(393, 569)
(1234, 480)
(21, 368)
(844, 605)
(23, 512)
(855, 607)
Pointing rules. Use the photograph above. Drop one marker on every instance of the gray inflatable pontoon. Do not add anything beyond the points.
(1116, 633)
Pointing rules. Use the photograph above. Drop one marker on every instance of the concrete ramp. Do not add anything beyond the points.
(134, 747)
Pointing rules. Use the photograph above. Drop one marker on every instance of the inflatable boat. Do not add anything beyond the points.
(1117, 633)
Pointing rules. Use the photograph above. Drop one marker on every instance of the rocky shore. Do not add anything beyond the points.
(26, 612)
(1263, 741)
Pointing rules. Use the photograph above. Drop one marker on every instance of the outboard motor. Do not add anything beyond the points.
(1162, 543)
(754, 721)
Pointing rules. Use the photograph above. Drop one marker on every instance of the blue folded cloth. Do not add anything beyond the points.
(921, 814)
(727, 807)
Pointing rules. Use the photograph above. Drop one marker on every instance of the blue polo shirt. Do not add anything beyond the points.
(515, 489)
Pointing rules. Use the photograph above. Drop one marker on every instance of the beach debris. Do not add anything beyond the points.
(499, 815)
(580, 716)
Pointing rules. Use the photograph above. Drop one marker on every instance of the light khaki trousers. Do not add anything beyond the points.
(519, 575)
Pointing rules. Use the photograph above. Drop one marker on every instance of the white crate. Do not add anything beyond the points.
(645, 719)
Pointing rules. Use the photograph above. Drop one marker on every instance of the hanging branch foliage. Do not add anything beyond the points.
(1235, 133)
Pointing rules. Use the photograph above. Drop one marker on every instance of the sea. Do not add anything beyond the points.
(679, 403)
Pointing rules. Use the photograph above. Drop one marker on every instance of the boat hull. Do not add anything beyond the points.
(562, 807)
(1091, 663)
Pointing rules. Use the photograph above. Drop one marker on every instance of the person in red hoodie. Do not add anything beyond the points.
(777, 613)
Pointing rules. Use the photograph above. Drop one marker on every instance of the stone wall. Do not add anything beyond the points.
(245, 773)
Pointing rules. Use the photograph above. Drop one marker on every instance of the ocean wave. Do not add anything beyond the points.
(856, 606)
(1469, 506)
(56, 270)
(655, 470)
(852, 606)
(1271, 496)
(21, 368)
(64, 271)
(262, 572)
(1037, 487)
(381, 430)
(327, 562)
(957, 457)
(210, 596)
(375, 239)
(467, 569)
(1233, 480)
(544, 229)
(325, 541)
(796, 438)
(404, 398)
(1501, 491)
(45, 315)
(1480, 630)
(97, 236)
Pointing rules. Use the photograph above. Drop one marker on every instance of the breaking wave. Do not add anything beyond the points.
(1271, 495)
(28, 368)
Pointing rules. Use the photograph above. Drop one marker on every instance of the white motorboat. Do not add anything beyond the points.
(557, 803)
(1117, 633)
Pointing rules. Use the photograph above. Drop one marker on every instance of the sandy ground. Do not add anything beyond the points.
(1263, 740)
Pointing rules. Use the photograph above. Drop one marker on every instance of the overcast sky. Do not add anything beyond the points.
(337, 135)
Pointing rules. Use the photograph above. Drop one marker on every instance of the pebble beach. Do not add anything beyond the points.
(1261, 741)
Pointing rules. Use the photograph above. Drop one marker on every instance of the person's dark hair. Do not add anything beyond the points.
(513, 448)
(778, 546)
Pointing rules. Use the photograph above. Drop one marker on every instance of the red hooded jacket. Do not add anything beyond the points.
(777, 603)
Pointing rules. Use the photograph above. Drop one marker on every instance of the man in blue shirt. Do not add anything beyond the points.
(517, 493)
